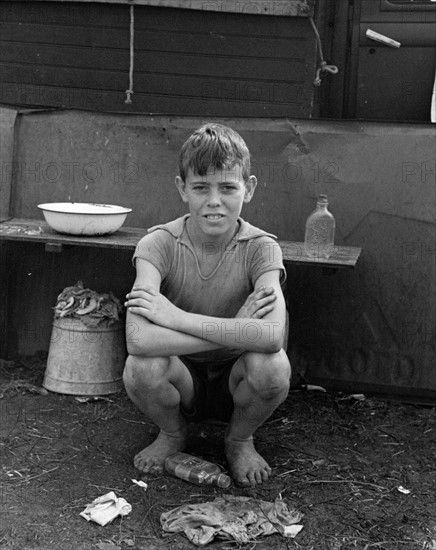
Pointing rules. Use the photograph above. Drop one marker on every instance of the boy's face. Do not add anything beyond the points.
(215, 200)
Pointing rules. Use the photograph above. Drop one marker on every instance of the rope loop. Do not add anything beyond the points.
(323, 66)
(332, 69)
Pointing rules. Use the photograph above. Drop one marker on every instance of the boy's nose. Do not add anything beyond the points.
(213, 199)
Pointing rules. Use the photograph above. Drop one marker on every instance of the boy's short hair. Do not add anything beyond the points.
(214, 145)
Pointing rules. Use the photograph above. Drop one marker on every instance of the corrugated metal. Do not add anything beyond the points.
(185, 62)
(368, 328)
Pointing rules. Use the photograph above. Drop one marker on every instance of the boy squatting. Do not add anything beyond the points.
(210, 312)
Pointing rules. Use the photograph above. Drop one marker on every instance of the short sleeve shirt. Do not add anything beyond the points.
(250, 253)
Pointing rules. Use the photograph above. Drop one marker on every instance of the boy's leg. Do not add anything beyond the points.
(158, 386)
(259, 383)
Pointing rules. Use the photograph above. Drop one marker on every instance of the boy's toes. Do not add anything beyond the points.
(152, 458)
(252, 478)
(146, 464)
(247, 466)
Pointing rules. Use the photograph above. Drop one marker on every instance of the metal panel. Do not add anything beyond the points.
(368, 328)
(396, 83)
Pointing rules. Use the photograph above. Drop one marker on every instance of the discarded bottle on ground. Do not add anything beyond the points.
(196, 470)
(320, 231)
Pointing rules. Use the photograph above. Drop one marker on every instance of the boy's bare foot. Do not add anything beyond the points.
(151, 459)
(247, 466)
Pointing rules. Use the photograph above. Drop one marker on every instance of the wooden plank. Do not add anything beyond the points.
(229, 104)
(71, 13)
(149, 82)
(72, 34)
(344, 256)
(43, 58)
(118, 16)
(287, 8)
(127, 237)
(177, 86)
(17, 229)
(288, 43)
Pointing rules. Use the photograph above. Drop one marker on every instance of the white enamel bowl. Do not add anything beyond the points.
(79, 218)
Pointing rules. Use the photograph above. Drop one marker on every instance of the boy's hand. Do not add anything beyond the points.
(151, 304)
(258, 303)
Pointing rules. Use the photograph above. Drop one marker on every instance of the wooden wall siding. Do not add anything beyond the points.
(187, 62)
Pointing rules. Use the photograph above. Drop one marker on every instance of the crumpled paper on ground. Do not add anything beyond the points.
(242, 519)
(104, 509)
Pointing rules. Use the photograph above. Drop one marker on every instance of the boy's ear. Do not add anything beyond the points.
(250, 186)
(181, 186)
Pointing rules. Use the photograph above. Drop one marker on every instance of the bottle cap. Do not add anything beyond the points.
(223, 481)
(322, 198)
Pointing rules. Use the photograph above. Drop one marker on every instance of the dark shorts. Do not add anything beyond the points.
(212, 398)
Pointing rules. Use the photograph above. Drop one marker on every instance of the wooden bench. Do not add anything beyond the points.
(37, 231)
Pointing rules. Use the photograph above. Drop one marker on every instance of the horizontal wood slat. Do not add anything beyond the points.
(203, 88)
(236, 106)
(155, 62)
(290, 46)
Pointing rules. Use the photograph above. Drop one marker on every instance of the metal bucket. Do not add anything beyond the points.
(83, 360)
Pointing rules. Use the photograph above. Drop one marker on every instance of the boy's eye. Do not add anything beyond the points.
(200, 188)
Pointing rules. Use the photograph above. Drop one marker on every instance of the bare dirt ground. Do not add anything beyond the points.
(362, 472)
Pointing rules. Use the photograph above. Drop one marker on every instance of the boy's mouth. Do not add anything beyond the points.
(213, 216)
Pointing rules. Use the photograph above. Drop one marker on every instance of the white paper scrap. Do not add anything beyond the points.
(104, 509)
(291, 530)
(140, 484)
(312, 387)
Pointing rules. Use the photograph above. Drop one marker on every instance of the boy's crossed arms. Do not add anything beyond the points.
(164, 329)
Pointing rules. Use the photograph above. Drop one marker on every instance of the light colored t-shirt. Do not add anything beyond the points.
(251, 253)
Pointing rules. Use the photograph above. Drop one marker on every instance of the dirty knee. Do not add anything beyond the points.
(145, 372)
(268, 374)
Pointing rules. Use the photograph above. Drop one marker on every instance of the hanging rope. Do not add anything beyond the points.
(129, 92)
(332, 69)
